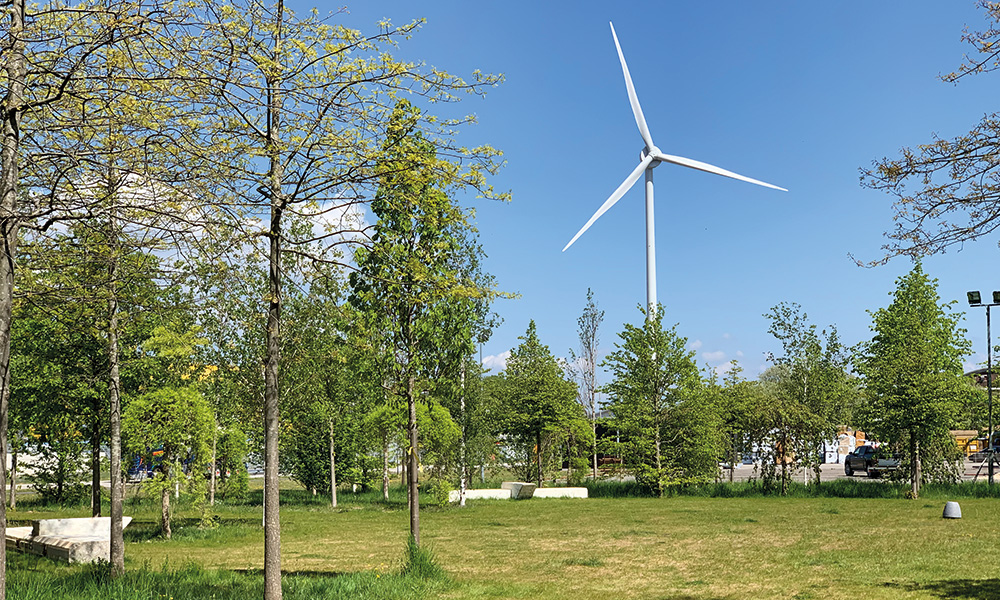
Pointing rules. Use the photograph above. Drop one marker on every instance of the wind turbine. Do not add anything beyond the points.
(650, 158)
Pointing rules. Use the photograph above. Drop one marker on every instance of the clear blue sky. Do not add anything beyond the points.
(799, 94)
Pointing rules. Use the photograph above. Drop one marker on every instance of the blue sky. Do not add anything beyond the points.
(799, 94)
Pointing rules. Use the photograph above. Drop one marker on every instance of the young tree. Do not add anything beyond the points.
(814, 375)
(585, 364)
(415, 270)
(537, 402)
(179, 421)
(947, 191)
(655, 394)
(912, 371)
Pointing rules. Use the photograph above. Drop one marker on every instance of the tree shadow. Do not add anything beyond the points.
(955, 589)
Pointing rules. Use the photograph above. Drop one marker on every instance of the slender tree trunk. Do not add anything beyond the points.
(333, 469)
(462, 474)
(13, 479)
(95, 461)
(593, 427)
(659, 464)
(784, 462)
(272, 525)
(215, 462)
(413, 469)
(915, 474)
(385, 465)
(165, 512)
(538, 457)
(115, 411)
(16, 68)
(732, 464)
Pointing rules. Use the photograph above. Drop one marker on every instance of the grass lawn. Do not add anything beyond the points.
(683, 547)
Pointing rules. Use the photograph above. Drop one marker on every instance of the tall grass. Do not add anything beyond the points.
(34, 578)
(840, 488)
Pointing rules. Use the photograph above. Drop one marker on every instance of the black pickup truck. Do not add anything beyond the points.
(873, 461)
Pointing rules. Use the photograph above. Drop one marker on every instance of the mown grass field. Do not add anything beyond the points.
(682, 547)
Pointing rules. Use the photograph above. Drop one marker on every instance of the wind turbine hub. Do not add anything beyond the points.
(654, 151)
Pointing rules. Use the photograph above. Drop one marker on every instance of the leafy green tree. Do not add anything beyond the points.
(947, 191)
(537, 404)
(814, 375)
(414, 271)
(178, 421)
(658, 402)
(912, 371)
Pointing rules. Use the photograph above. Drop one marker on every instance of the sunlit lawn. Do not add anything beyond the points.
(687, 548)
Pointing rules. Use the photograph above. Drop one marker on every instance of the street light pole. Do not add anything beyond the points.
(989, 394)
(975, 299)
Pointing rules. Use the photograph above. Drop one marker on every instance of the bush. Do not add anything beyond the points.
(437, 490)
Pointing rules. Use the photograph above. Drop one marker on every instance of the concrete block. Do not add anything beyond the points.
(561, 492)
(480, 495)
(519, 490)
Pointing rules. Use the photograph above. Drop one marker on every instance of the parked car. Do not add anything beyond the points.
(870, 459)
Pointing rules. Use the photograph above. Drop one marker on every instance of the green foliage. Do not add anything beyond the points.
(912, 371)
(178, 421)
(811, 387)
(231, 453)
(668, 423)
(537, 408)
(437, 489)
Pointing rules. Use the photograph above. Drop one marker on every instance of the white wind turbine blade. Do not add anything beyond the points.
(632, 98)
(697, 164)
(615, 197)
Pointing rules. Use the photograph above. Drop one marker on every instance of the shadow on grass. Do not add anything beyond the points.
(955, 589)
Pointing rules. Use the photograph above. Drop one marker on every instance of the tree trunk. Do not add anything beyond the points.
(165, 511)
(385, 465)
(659, 464)
(915, 474)
(538, 457)
(115, 412)
(215, 463)
(13, 479)
(95, 460)
(272, 525)
(413, 469)
(462, 475)
(784, 463)
(15, 67)
(333, 469)
(593, 427)
(732, 464)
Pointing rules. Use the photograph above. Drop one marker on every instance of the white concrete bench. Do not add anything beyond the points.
(519, 490)
(69, 540)
(561, 492)
(480, 495)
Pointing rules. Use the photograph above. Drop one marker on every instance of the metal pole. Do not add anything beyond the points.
(650, 247)
(989, 394)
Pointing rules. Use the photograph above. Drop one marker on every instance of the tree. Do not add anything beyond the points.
(814, 375)
(537, 403)
(178, 421)
(657, 398)
(585, 365)
(947, 191)
(415, 271)
(912, 371)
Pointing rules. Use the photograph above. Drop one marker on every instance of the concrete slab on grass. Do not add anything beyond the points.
(561, 492)
(519, 490)
(70, 540)
(480, 495)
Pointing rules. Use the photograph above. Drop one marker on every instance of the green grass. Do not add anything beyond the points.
(692, 547)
